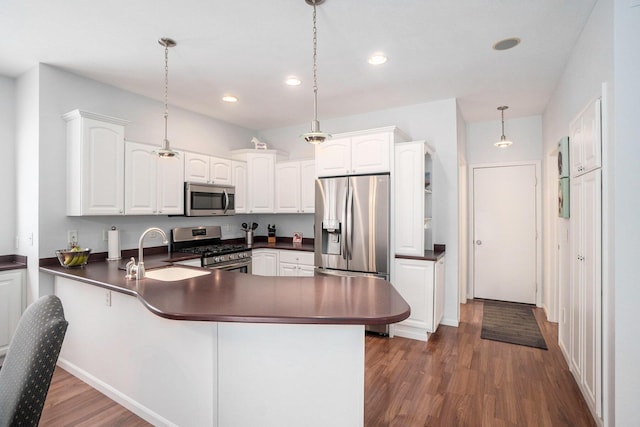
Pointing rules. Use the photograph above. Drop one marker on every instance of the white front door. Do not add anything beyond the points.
(504, 230)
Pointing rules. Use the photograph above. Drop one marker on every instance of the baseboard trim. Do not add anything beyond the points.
(115, 395)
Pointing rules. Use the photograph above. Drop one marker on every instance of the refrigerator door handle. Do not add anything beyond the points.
(343, 230)
(349, 221)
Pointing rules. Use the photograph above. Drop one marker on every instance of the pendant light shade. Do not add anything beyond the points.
(316, 136)
(504, 142)
(166, 150)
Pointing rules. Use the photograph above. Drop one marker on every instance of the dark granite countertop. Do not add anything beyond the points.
(431, 255)
(12, 262)
(236, 297)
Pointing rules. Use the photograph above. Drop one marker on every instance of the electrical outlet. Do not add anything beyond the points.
(72, 236)
(107, 300)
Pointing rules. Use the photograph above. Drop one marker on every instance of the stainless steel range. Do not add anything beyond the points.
(206, 242)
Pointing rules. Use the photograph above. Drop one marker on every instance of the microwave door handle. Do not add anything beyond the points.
(225, 205)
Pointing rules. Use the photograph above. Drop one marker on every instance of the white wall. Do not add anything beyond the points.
(435, 122)
(7, 166)
(524, 132)
(590, 64)
(626, 211)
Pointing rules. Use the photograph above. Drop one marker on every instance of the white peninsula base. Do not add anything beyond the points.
(191, 373)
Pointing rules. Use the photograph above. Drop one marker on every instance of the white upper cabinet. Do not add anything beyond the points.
(288, 187)
(154, 185)
(239, 173)
(357, 153)
(307, 186)
(95, 164)
(220, 171)
(295, 187)
(333, 157)
(585, 140)
(413, 198)
(207, 169)
(261, 165)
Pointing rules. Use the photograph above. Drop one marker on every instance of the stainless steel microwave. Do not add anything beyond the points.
(208, 199)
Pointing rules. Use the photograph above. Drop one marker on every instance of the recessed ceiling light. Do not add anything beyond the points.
(506, 43)
(377, 59)
(230, 98)
(293, 81)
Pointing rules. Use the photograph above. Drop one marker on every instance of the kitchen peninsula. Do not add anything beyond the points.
(224, 349)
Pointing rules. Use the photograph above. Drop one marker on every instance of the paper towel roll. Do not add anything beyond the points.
(114, 244)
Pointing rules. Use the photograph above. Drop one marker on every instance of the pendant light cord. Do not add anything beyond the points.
(315, 66)
(166, 90)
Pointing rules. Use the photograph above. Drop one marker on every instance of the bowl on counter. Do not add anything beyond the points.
(77, 257)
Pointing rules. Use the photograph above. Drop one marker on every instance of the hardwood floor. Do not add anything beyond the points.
(456, 379)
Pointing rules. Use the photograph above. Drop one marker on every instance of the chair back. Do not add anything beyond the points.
(30, 361)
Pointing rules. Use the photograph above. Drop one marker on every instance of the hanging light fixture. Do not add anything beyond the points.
(504, 142)
(166, 150)
(316, 136)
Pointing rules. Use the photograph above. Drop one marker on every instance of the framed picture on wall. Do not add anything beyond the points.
(563, 157)
(563, 197)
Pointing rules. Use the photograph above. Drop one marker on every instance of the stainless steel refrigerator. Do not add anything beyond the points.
(352, 227)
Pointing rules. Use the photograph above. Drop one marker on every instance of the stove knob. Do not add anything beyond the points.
(241, 255)
(216, 259)
(233, 256)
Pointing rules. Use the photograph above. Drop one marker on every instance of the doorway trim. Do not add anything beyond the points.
(538, 213)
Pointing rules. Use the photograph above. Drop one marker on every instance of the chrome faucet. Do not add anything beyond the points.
(138, 271)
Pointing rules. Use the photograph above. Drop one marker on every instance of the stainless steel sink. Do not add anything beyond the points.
(174, 273)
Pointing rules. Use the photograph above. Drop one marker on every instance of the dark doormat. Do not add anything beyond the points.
(511, 323)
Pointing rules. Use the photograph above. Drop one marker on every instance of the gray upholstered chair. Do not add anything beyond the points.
(30, 361)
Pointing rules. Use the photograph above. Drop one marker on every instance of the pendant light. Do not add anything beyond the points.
(316, 136)
(504, 142)
(166, 150)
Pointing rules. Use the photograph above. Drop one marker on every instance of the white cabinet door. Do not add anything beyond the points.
(585, 307)
(196, 167)
(13, 300)
(154, 185)
(261, 182)
(409, 198)
(371, 153)
(438, 306)
(287, 195)
(414, 282)
(239, 171)
(220, 171)
(296, 263)
(307, 186)
(95, 164)
(170, 189)
(287, 269)
(264, 262)
(306, 270)
(585, 140)
(333, 157)
(141, 179)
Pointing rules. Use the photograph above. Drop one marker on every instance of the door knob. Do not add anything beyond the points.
(478, 242)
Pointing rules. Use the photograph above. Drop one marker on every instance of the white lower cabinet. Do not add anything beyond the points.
(13, 300)
(421, 284)
(296, 263)
(264, 262)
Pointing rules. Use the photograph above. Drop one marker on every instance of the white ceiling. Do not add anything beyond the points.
(436, 49)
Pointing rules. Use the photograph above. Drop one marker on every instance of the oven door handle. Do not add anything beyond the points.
(230, 266)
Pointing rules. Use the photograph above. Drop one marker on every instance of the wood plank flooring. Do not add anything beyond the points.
(456, 379)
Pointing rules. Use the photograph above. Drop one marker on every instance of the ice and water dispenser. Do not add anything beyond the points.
(331, 237)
